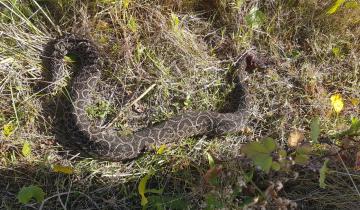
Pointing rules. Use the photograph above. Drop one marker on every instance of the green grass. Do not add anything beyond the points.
(173, 57)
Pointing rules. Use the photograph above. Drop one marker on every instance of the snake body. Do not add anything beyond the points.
(105, 143)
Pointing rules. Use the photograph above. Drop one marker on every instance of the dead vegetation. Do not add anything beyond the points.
(178, 53)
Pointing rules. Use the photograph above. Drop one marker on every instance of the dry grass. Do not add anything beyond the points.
(182, 50)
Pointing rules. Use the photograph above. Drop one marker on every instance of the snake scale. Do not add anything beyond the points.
(105, 143)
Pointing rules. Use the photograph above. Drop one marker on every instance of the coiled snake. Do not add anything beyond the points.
(105, 143)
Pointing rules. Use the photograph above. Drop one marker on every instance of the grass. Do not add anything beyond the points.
(168, 57)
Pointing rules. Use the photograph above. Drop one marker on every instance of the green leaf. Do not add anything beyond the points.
(355, 125)
(161, 149)
(70, 58)
(254, 148)
(255, 18)
(302, 154)
(211, 160)
(282, 153)
(335, 6)
(132, 25)
(336, 51)
(323, 171)
(142, 188)
(315, 129)
(301, 159)
(26, 193)
(260, 153)
(26, 149)
(275, 166)
(305, 150)
(269, 144)
(264, 162)
(8, 129)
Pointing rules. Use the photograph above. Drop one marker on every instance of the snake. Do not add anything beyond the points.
(106, 144)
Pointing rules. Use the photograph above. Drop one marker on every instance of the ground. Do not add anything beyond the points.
(169, 56)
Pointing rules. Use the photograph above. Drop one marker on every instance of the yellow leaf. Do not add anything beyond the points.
(337, 102)
(63, 169)
(26, 150)
(335, 6)
(295, 138)
(355, 101)
(8, 129)
(161, 149)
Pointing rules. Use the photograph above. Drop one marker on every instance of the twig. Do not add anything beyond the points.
(131, 104)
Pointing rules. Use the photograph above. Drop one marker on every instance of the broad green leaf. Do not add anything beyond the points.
(264, 162)
(269, 144)
(26, 149)
(323, 171)
(260, 153)
(275, 166)
(302, 154)
(255, 18)
(254, 148)
(305, 149)
(315, 130)
(301, 159)
(142, 188)
(26, 193)
(335, 6)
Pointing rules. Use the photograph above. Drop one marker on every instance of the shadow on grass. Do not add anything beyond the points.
(87, 190)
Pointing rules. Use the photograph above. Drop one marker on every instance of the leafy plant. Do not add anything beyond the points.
(142, 189)
(260, 154)
(27, 193)
(354, 129)
(302, 154)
